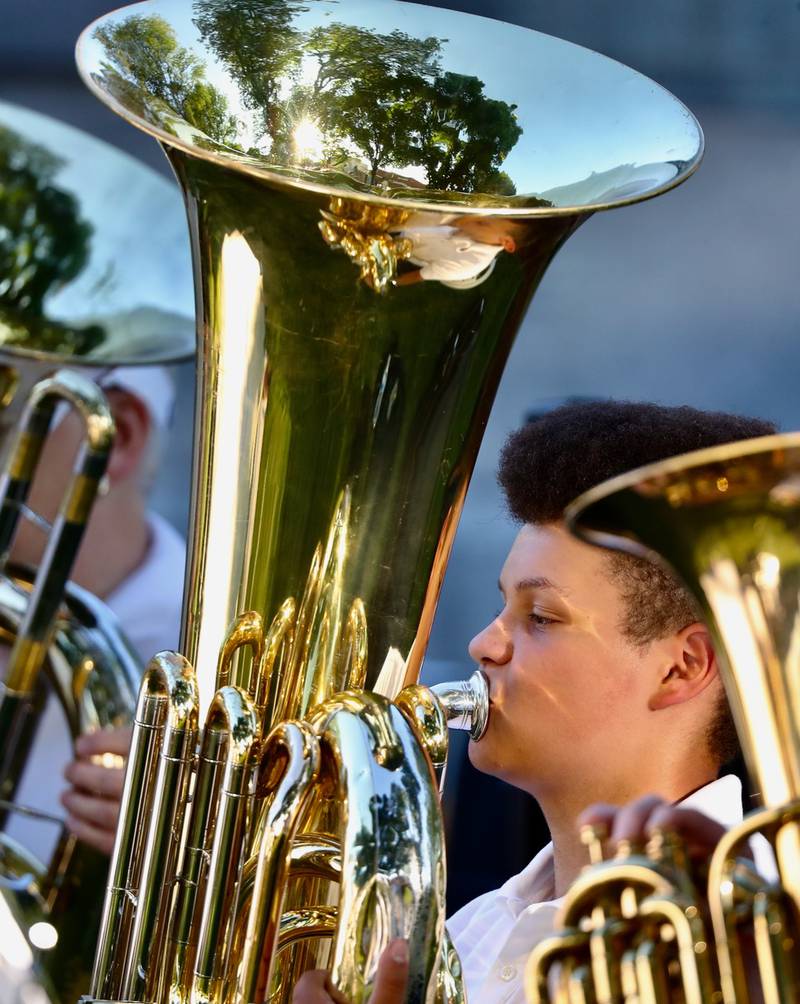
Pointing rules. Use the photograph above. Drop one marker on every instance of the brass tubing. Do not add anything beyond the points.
(166, 817)
(693, 948)
(246, 631)
(427, 717)
(721, 892)
(604, 968)
(296, 745)
(122, 883)
(769, 951)
(272, 685)
(316, 855)
(310, 922)
(385, 782)
(233, 713)
(544, 956)
(312, 855)
(191, 879)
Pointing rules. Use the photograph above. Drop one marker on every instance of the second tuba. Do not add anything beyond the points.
(374, 192)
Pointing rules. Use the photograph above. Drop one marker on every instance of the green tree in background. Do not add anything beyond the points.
(44, 243)
(379, 98)
(369, 87)
(143, 53)
(464, 136)
(257, 42)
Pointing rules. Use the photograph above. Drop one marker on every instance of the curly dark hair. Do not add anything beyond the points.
(550, 461)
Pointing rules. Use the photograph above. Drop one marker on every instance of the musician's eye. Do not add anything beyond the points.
(540, 620)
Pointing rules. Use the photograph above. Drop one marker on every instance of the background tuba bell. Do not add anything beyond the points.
(368, 223)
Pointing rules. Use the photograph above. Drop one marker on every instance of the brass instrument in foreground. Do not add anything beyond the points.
(371, 208)
(77, 288)
(727, 520)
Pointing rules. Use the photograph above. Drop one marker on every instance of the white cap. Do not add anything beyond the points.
(151, 384)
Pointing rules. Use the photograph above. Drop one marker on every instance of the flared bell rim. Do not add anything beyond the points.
(661, 471)
(525, 205)
(118, 308)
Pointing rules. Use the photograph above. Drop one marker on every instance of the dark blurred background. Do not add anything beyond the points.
(690, 298)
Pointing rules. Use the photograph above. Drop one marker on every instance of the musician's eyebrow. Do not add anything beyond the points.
(536, 582)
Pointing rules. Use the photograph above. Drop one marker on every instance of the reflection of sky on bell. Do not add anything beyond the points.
(139, 267)
(582, 114)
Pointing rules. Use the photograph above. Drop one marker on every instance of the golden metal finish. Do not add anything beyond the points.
(369, 221)
(727, 520)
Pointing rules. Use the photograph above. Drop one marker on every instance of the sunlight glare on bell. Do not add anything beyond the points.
(308, 139)
(43, 935)
(240, 298)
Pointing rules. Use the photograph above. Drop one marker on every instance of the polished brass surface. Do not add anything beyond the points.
(369, 222)
(389, 100)
(78, 278)
(727, 521)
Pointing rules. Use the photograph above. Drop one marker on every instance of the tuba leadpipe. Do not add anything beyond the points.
(344, 379)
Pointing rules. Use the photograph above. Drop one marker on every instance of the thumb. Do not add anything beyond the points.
(392, 976)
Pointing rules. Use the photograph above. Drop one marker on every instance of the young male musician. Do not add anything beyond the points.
(603, 682)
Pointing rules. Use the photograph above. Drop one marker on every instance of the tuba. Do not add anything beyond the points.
(726, 520)
(371, 205)
(68, 296)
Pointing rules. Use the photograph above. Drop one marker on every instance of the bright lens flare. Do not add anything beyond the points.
(308, 138)
(43, 935)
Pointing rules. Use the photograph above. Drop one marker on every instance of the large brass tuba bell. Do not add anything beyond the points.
(372, 204)
(727, 520)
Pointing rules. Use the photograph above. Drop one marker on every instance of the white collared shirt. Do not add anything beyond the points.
(148, 602)
(495, 933)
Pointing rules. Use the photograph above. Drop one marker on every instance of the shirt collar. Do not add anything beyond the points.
(721, 800)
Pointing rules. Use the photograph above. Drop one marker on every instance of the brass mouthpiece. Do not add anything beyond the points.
(465, 704)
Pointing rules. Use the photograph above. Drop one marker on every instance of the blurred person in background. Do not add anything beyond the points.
(132, 559)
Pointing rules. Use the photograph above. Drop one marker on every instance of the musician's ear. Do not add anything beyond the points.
(133, 429)
(688, 666)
